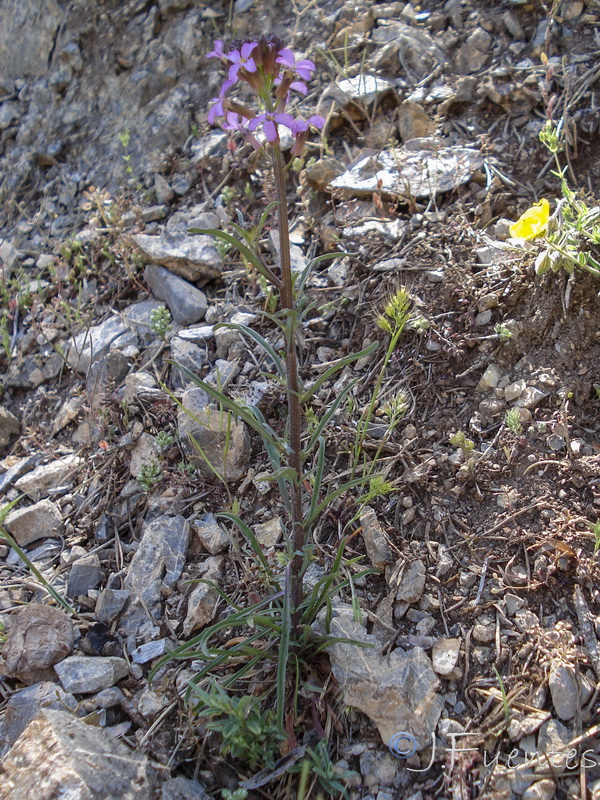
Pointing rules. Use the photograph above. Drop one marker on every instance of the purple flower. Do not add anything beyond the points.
(303, 68)
(242, 60)
(236, 123)
(270, 122)
(218, 109)
(218, 51)
(300, 131)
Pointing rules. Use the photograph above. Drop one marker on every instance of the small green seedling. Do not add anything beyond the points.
(149, 476)
(160, 321)
(512, 419)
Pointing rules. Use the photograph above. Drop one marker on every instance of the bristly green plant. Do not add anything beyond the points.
(149, 476)
(279, 634)
(248, 733)
(160, 321)
(512, 418)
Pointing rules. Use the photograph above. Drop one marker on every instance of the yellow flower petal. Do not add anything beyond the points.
(533, 222)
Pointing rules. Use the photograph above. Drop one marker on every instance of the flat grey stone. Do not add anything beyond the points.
(85, 574)
(204, 599)
(9, 426)
(61, 472)
(213, 537)
(397, 692)
(91, 344)
(88, 674)
(40, 521)
(59, 756)
(159, 560)
(40, 636)
(149, 651)
(25, 705)
(211, 440)
(378, 549)
(194, 258)
(189, 355)
(420, 168)
(187, 304)
(183, 789)
(412, 583)
(110, 603)
(565, 692)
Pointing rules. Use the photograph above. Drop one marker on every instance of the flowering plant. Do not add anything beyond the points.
(273, 73)
(532, 222)
(284, 620)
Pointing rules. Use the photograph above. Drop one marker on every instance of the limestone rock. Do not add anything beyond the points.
(36, 483)
(212, 440)
(213, 537)
(93, 343)
(85, 574)
(59, 756)
(194, 258)
(187, 304)
(25, 705)
(39, 521)
(87, 674)
(9, 426)
(397, 692)
(378, 549)
(39, 637)
(204, 599)
(444, 655)
(159, 559)
(421, 168)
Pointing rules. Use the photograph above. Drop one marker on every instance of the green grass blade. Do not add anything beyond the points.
(269, 349)
(266, 433)
(336, 368)
(250, 536)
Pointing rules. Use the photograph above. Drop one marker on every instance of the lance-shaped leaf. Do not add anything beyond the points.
(304, 275)
(244, 250)
(327, 416)
(336, 368)
(262, 428)
(268, 348)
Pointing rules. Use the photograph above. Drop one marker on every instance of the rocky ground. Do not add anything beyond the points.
(483, 614)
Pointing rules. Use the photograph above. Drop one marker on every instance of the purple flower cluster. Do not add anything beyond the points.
(272, 72)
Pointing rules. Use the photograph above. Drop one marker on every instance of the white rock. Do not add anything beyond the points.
(444, 656)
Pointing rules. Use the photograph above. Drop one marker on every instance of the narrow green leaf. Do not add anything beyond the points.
(327, 416)
(313, 517)
(314, 500)
(284, 647)
(243, 249)
(265, 431)
(250, 536)
(269, 349)
(336, 368)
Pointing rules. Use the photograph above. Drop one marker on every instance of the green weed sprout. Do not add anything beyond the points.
(595, 529)
(512, 418)
(160, 321)
(149, 476)
(248, 733)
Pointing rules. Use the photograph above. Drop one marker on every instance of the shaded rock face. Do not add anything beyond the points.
(80, 75)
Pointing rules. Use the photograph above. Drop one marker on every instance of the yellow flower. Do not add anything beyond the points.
(533, 222)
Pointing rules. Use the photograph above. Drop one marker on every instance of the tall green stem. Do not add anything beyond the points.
(293, 394)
